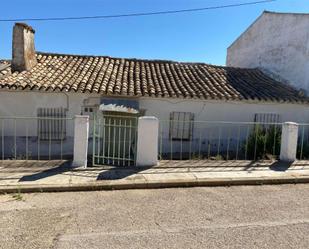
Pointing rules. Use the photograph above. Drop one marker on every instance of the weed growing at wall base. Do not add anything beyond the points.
(263, 142)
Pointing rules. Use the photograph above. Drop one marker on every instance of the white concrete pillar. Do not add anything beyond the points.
(81, 129)
(289, 138)
(147, 141)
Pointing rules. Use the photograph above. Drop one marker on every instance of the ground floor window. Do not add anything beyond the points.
(52, 123)
(266, 119)
(181, 125)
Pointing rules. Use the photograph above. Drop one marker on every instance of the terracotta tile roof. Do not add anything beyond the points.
(154, 78)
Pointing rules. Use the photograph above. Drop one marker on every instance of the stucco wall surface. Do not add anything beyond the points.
(18, 112)
(25, 104)
(216, 127)
(276, 42)
(224, 110)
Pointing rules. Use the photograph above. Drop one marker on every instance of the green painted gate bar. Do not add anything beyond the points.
(114, 139)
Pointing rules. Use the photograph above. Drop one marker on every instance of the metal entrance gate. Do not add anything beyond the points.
(114, 139)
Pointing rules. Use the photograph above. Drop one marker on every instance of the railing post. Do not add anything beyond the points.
(147, 141)
(81, 129)
(289, 141)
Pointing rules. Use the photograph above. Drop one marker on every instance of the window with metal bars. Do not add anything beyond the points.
(89, 111)
(266, 119)
(52, 123)
(181, 126)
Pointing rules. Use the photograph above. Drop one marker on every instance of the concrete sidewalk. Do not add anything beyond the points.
(34, 176)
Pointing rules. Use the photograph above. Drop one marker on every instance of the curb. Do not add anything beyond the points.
(142, 184)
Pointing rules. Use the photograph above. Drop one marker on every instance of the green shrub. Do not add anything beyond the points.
(263, 143)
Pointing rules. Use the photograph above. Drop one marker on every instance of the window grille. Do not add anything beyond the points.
(181, 125)
(89, 111)
(266, 119)
(52, 123)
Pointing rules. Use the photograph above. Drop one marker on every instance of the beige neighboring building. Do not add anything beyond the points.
(278, 43)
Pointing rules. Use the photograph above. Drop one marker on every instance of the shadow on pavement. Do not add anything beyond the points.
(120, 173)
(280, 166)
(64, 167)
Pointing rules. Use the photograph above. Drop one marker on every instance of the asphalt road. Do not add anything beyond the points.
(227, 217)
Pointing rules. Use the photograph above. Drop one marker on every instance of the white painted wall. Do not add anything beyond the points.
(213, 110)
(26, 104)
(277, 42)
(216, 133)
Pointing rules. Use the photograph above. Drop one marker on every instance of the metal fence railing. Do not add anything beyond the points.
(36, 138)
(219, 140)
(302, 152)
(41, 138)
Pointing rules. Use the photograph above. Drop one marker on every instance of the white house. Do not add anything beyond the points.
(277, 43)
(49, 89)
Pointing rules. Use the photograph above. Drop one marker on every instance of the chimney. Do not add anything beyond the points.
(23, 51)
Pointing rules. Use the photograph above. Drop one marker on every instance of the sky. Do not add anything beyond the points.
(196, 36)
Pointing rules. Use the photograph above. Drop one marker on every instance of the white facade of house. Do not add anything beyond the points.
(26, 104)
(217, 125)
(230, 111)
(206, 113)
(277, 42)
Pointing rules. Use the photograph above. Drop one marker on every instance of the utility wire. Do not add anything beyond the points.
(136, 14)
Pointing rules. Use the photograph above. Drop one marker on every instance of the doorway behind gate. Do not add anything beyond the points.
(114, 139)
